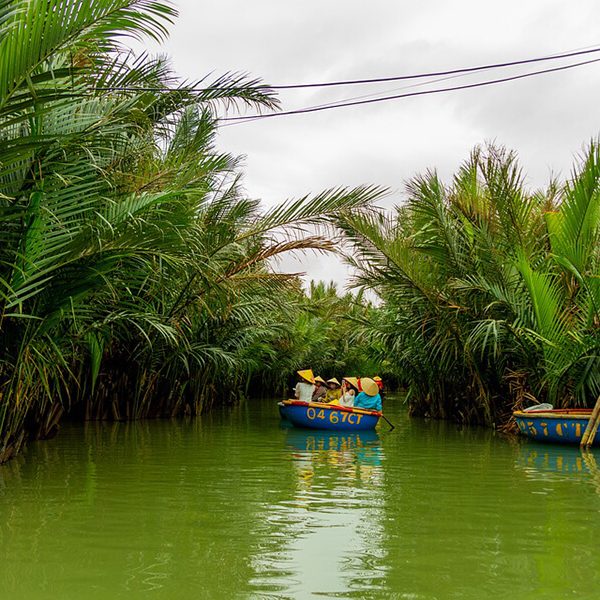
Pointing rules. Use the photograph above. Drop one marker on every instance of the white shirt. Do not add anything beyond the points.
(304, 391)
(347, 399)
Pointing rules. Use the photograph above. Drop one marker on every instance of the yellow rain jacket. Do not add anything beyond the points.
(333, 395)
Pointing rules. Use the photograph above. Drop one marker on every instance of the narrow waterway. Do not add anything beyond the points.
(234, 505)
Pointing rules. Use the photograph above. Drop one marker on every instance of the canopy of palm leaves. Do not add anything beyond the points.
(134, 275)
(491, 293)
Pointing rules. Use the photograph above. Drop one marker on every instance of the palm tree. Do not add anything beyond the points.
(128, 255)
(489, 291)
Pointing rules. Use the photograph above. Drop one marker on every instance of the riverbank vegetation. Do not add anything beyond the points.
(491, 292)
(134, 274)
(320, 327)
(136, 277)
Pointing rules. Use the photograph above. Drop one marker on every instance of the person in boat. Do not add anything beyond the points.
(379, 383)
(349, 391)
(320, 389)
(305, 387)
(334, 390)
(369, 398)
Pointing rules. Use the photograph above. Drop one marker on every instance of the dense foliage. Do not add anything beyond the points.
(321, 328)
(491, 292)
(134, 275)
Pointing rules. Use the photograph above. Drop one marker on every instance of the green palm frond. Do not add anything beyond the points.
(484, 283)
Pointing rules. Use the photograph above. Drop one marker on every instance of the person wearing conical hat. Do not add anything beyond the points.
(333, 390)
(348, 392)
(369, 398)
(305, 387)
(379, 383)
(320, 389)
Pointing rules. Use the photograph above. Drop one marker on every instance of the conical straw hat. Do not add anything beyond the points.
(319, 379)
(307, 375)
(352, 381)
(369, 386)
(334, 380)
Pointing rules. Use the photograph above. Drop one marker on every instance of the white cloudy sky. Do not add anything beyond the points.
(547, 119)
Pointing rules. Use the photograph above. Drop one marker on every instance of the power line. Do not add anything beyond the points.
(435, 73)
(412, 86)
(396, 89)
(458, 71)
(239, 120)
(371, 95)
(422, 84)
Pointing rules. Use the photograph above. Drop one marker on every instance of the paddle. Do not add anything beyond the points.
(392, 426)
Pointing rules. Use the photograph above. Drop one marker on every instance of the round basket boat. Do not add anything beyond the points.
(562, 426)
(315, 415)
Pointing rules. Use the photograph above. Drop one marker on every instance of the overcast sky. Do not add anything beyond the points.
(546, 119)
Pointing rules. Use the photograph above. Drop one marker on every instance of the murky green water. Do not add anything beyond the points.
(235, 506)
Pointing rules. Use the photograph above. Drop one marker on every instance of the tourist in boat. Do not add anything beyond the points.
(369, 398)
(333, 390)
(349, 391)
(305, 387)
(379, 383)
(320, 390)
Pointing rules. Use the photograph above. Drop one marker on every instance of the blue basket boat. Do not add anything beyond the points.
(315, 415)
(561, 426)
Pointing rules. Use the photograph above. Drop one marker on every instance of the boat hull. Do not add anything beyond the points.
(313, 415)
(559, 426)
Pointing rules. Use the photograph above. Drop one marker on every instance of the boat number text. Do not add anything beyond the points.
(334, 416)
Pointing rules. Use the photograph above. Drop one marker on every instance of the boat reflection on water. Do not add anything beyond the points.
(335, 516)
(310, 440)
(553, 460)
(355, 457)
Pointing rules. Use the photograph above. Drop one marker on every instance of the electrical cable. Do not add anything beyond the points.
(435, 73)
(425, 83)
(243, 119)
(559, 56)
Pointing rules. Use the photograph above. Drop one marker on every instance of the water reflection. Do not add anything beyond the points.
(557, 459)
(356, 456)
(309, 440)
(333, 522)
(555, 462)
(233, 506)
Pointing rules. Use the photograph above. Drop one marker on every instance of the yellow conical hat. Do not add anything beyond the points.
(352, 381)
(334, 380)
(319, 379)
(369, 387)
(308, 375)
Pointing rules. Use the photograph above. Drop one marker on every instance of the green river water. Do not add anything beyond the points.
(233, 505)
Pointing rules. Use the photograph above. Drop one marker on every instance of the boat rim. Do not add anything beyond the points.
(557, 413)
(351, 409)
